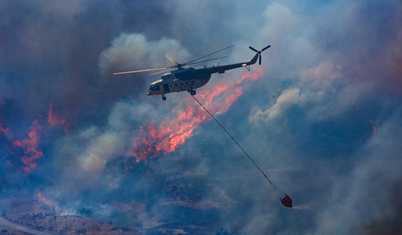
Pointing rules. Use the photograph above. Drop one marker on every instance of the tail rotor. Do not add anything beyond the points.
(259, 52)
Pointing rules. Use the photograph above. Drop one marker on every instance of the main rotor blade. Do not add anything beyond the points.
(209, 54)
(253, 49)
(139, 71)
(152, 74)
(171, 59)
(207, 60)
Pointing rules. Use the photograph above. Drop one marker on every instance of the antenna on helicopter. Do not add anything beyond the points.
(259, 52)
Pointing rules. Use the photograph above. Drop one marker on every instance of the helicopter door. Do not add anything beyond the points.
(166, 88)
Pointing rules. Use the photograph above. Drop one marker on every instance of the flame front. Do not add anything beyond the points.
(30, 147)
(172, 133)
(5, 131)
(40, 197)
(53, 119)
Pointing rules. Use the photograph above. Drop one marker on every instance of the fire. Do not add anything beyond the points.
(170, 134)
(5, 131)
(374, 128)
(47, 201)
(53, 119)
(42, 198)
(30, 147)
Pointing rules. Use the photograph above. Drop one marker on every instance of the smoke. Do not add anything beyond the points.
(284, 101)
(374, 173)
(322, 122)
(134, 52)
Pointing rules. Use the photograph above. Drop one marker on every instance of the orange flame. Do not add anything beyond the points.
(5, 131)
(173, 133)
(53, 119)
(374, 128)
(46, 201)
(30, 147)
(42, 198)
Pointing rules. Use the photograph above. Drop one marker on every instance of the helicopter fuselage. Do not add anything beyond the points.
(180, 80)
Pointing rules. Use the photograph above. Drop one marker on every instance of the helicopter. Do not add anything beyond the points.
(189, 79)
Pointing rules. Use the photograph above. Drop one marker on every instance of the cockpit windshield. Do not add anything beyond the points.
(154, 87)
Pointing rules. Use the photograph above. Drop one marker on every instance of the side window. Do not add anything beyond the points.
(157, 87)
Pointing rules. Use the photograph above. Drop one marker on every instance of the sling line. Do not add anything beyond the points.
(278, 191)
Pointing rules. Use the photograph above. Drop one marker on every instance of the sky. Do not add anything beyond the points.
(321, 115)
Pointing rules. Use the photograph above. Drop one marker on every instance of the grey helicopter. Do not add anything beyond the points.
(189, 79)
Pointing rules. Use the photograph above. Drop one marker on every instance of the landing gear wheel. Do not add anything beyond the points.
(163, 97)
(192, 92)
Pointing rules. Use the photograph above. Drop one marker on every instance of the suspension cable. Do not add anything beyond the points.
(278, 191)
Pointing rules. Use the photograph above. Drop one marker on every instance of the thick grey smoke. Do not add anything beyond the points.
(323, 122)
(134, 52)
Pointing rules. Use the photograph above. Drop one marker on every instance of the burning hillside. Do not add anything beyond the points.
(154, 140)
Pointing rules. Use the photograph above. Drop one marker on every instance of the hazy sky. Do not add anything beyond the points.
(323, 120)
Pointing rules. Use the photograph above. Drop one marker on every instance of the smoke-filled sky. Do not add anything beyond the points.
(321, 115)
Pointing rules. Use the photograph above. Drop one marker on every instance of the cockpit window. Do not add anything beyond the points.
(154, 88)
